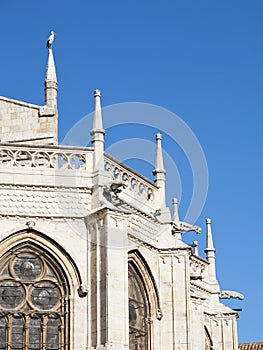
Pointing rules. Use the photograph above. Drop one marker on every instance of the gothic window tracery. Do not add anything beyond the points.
(139, 320)
(33, 301)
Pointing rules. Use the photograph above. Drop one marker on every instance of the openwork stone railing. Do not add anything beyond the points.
(57, 157)
(74, 158)
(198, 267)
(131, 180)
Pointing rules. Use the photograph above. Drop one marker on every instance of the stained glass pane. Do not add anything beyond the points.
(17, 333)
(50, 273)
(27, 267)
(11, 294)
(4, 272)
(2, 333)
(138, 312)
(45, 295)
(52, 334)
(31, 289)
(34, 333)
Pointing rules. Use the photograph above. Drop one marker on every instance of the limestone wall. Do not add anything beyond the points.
(24, 122)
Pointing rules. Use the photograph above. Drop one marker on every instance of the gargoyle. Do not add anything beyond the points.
(185, 227)
(229, 294)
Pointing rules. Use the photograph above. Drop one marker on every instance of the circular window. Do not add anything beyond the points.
(27, 267)
(45, 295)
(12, 294)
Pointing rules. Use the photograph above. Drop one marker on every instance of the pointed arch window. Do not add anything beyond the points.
(139, 316)
(208, 341)
(34, 306)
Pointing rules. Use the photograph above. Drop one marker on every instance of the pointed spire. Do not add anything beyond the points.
(51, 69)
(210, 250)
(209, 238)
(175, 210)
(97, 134)
(159, 172)
(51, 84)
(175, 218)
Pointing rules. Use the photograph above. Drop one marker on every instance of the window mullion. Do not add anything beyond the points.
(26, 332)
(9, 331)
(61, 332)
(44, 332)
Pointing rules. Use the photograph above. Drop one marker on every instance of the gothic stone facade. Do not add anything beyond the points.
(85, 267)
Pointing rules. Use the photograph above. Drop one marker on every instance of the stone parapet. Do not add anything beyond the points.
(55, 157)
(136, 186)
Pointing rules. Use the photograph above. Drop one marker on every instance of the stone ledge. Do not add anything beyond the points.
(20, 103)
(46, 111)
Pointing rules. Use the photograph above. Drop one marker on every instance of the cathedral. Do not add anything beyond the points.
(91, 257)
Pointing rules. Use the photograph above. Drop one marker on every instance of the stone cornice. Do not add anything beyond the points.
(164, 251)
(19, 103)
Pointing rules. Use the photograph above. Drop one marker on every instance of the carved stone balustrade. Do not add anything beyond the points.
(134, 182)
(56, 157)
(70, 167)
(198, 268)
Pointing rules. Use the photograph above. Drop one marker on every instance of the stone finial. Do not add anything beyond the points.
(97, 120)
(159, 155)
(209, 240)
(210, 250)
(30, 224)
(97, 134)
(195, 248)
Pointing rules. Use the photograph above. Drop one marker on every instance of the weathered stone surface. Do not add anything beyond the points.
(62, 202)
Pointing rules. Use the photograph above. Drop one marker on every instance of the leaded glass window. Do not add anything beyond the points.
(138, 312)
(33, 302)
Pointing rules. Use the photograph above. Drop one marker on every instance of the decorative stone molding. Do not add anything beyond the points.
(200, 287)
(30, 224)
(221, 316)
(159, 314)
(117, 218)
(83, 291)
(47, 111)
(142, 228)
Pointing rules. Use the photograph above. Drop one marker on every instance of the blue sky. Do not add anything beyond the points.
(202, 60)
